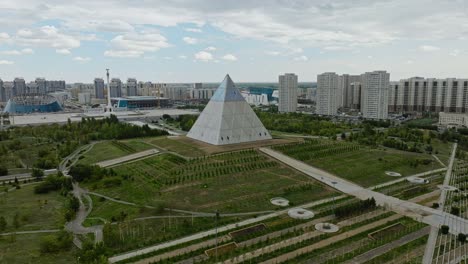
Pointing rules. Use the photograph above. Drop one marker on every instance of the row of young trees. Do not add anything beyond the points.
(358, 207)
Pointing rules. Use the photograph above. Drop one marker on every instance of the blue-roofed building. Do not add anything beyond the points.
(139, 102)
(32, 104)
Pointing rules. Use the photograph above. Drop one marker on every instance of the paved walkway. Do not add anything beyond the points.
(31, 232)
(418, 212)
(431, 241)
(389, 246)
(134, 156)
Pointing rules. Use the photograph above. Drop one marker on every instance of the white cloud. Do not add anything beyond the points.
(272, 53)
(82, 59)
(409, 62)
(46, 36)
(210, 48)
(168, 58)
(11, 52)
(63, 51)
(229, 57)
(190, 40)
(455, 52)
(337, 48)
(182, 57)
(134, 45)
(301, 58)
(196, 30)
(428, 48)
(18, 52)
(123, 53)
(4, 38)
(203, 56)
(6, 62)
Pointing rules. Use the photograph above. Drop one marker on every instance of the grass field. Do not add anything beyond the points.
(362, 165)
(232, 182)
(35, 211)
(25, 249)
(176, 146)
(442, 150)
(113, 149)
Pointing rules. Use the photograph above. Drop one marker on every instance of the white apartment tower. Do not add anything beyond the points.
(132, 87)
(287, 99)
(328, 99)
(374, 94)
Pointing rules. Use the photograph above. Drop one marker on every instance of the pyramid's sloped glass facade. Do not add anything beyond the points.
(228, 119)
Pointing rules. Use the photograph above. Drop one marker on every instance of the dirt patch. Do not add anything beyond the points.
(220, 250)
(248, 231)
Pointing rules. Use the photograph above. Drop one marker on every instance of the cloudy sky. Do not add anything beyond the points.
(253, 40)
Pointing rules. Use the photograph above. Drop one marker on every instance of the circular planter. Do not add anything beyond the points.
(327, 227)
(279, 201)
(417, 180)
(393, 174)
(300, 213)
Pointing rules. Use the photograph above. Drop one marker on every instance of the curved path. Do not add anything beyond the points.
(76, 225)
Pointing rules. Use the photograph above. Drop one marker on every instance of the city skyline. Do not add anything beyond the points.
(197, 41)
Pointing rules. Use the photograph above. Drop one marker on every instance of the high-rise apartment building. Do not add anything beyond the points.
(429, 95)
(356, 95)
(132, 87)
(176, 91)
(2, 91)
(374, 94)
(115, 87)
(19, 87)
(287, 98)
(345, 94)
(327, 99)
(9, 88)
(54, 86)
(99, 88)
(41, 85)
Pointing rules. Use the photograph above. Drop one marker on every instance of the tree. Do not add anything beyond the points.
(455, 210)
(3, 170)
(37, 173)
(3, 223)
(462, 237)
(444, 229)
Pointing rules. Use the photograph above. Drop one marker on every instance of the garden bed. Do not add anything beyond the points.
(248, 231)
(385, 232)
(220, 250)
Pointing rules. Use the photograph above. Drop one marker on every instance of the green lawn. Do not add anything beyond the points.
(367, 167)
(25, 249)
(113, 149)
(35, 211)
(360, 164)
(232, 182)
(176, 146)
(442, 150)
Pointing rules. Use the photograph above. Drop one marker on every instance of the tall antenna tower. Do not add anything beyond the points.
(109, 104)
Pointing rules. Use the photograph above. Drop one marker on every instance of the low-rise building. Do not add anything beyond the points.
(453, 119)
